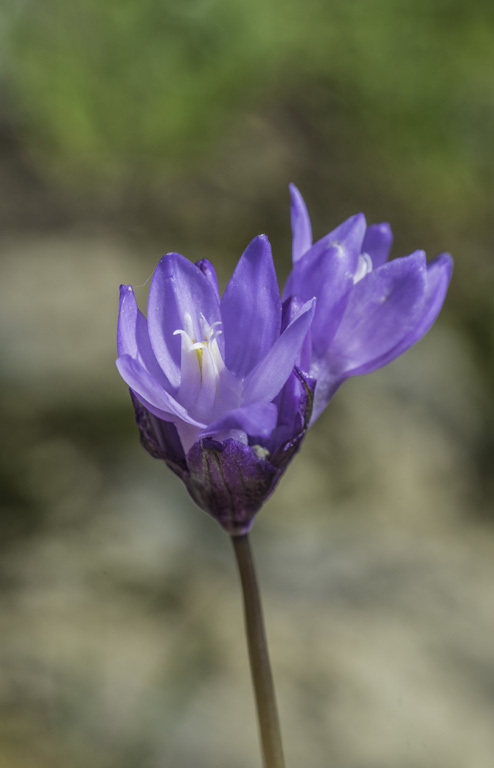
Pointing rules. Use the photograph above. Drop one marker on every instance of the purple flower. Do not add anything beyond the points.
(224, 388)
(368, 310)
(213, 380)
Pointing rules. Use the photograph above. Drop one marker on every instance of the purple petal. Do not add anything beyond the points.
(383, 309)
(127, 328)
(133, 337)
(178, 287)
(301, 226)
(229, 481)
(160, 438)
(329, 278)
(299, 281)
(290, 310)
(350, 234)
(438, 276)
(251, 309)
(257, 420)
(156, 399)
(268, 377)
(377, 243)
(347, 237)
(294, 404)
(209, 271)
(327, 383)
(439, 273)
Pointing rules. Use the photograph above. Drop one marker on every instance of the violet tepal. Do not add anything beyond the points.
(225, 387)
(368, 310)
(214, 381)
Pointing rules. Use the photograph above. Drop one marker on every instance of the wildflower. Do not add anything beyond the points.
(213, 380)
(368, 310)
(224, 388)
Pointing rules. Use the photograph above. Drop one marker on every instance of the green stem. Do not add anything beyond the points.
(260, 667)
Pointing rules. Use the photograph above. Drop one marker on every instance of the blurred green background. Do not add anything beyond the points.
(128, 129)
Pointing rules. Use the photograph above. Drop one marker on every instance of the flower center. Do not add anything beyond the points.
(207, 388)
(209, 335)
(201, 366)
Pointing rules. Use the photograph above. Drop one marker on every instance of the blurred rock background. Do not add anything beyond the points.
(128, 129)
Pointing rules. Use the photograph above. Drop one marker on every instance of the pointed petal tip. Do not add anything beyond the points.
(359, 225)
(303, 308)
(309, 306)
(359, 218)
(385, 227)
(258, 248)
(383, 231)
(209, 273)
(297, 204)
(352, 221)
(349, 233)
(439, 272)
(171, 256)
(300, 222)
(382, 226)
(419, 256)
(262, 240)
(444, 260)
(377, 243)
(125, 289)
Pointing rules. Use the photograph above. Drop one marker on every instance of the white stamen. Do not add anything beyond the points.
(181, 333)
(363, 268)
(207, 347)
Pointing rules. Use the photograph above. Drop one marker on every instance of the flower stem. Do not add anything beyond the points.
(262, 678)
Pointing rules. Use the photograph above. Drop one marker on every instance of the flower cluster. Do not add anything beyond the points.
(225, 387)
(368, 311)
